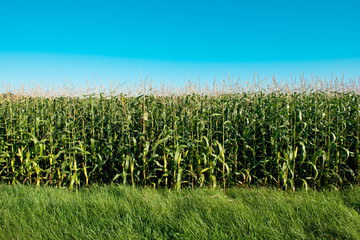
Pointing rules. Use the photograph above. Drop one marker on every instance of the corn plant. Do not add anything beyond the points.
(307, 139)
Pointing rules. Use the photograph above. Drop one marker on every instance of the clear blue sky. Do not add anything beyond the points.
(173, 41)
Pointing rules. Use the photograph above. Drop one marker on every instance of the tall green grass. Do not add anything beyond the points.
(123, 212)
(286, 139)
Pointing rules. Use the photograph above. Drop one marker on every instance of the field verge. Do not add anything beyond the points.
(123, 212)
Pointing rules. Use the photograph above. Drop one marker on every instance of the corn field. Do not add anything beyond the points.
(285, 140)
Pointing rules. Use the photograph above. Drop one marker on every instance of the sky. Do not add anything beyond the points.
(173, 42)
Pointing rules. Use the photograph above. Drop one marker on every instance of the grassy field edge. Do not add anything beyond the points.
(124, 212)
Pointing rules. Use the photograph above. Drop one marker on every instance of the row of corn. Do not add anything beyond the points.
(293, 140)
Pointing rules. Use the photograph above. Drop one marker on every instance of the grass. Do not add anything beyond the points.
(124, 212)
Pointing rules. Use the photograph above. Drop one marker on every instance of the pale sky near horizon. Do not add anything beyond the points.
(172, 42)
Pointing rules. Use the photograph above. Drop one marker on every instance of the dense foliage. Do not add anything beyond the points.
(284, 140)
